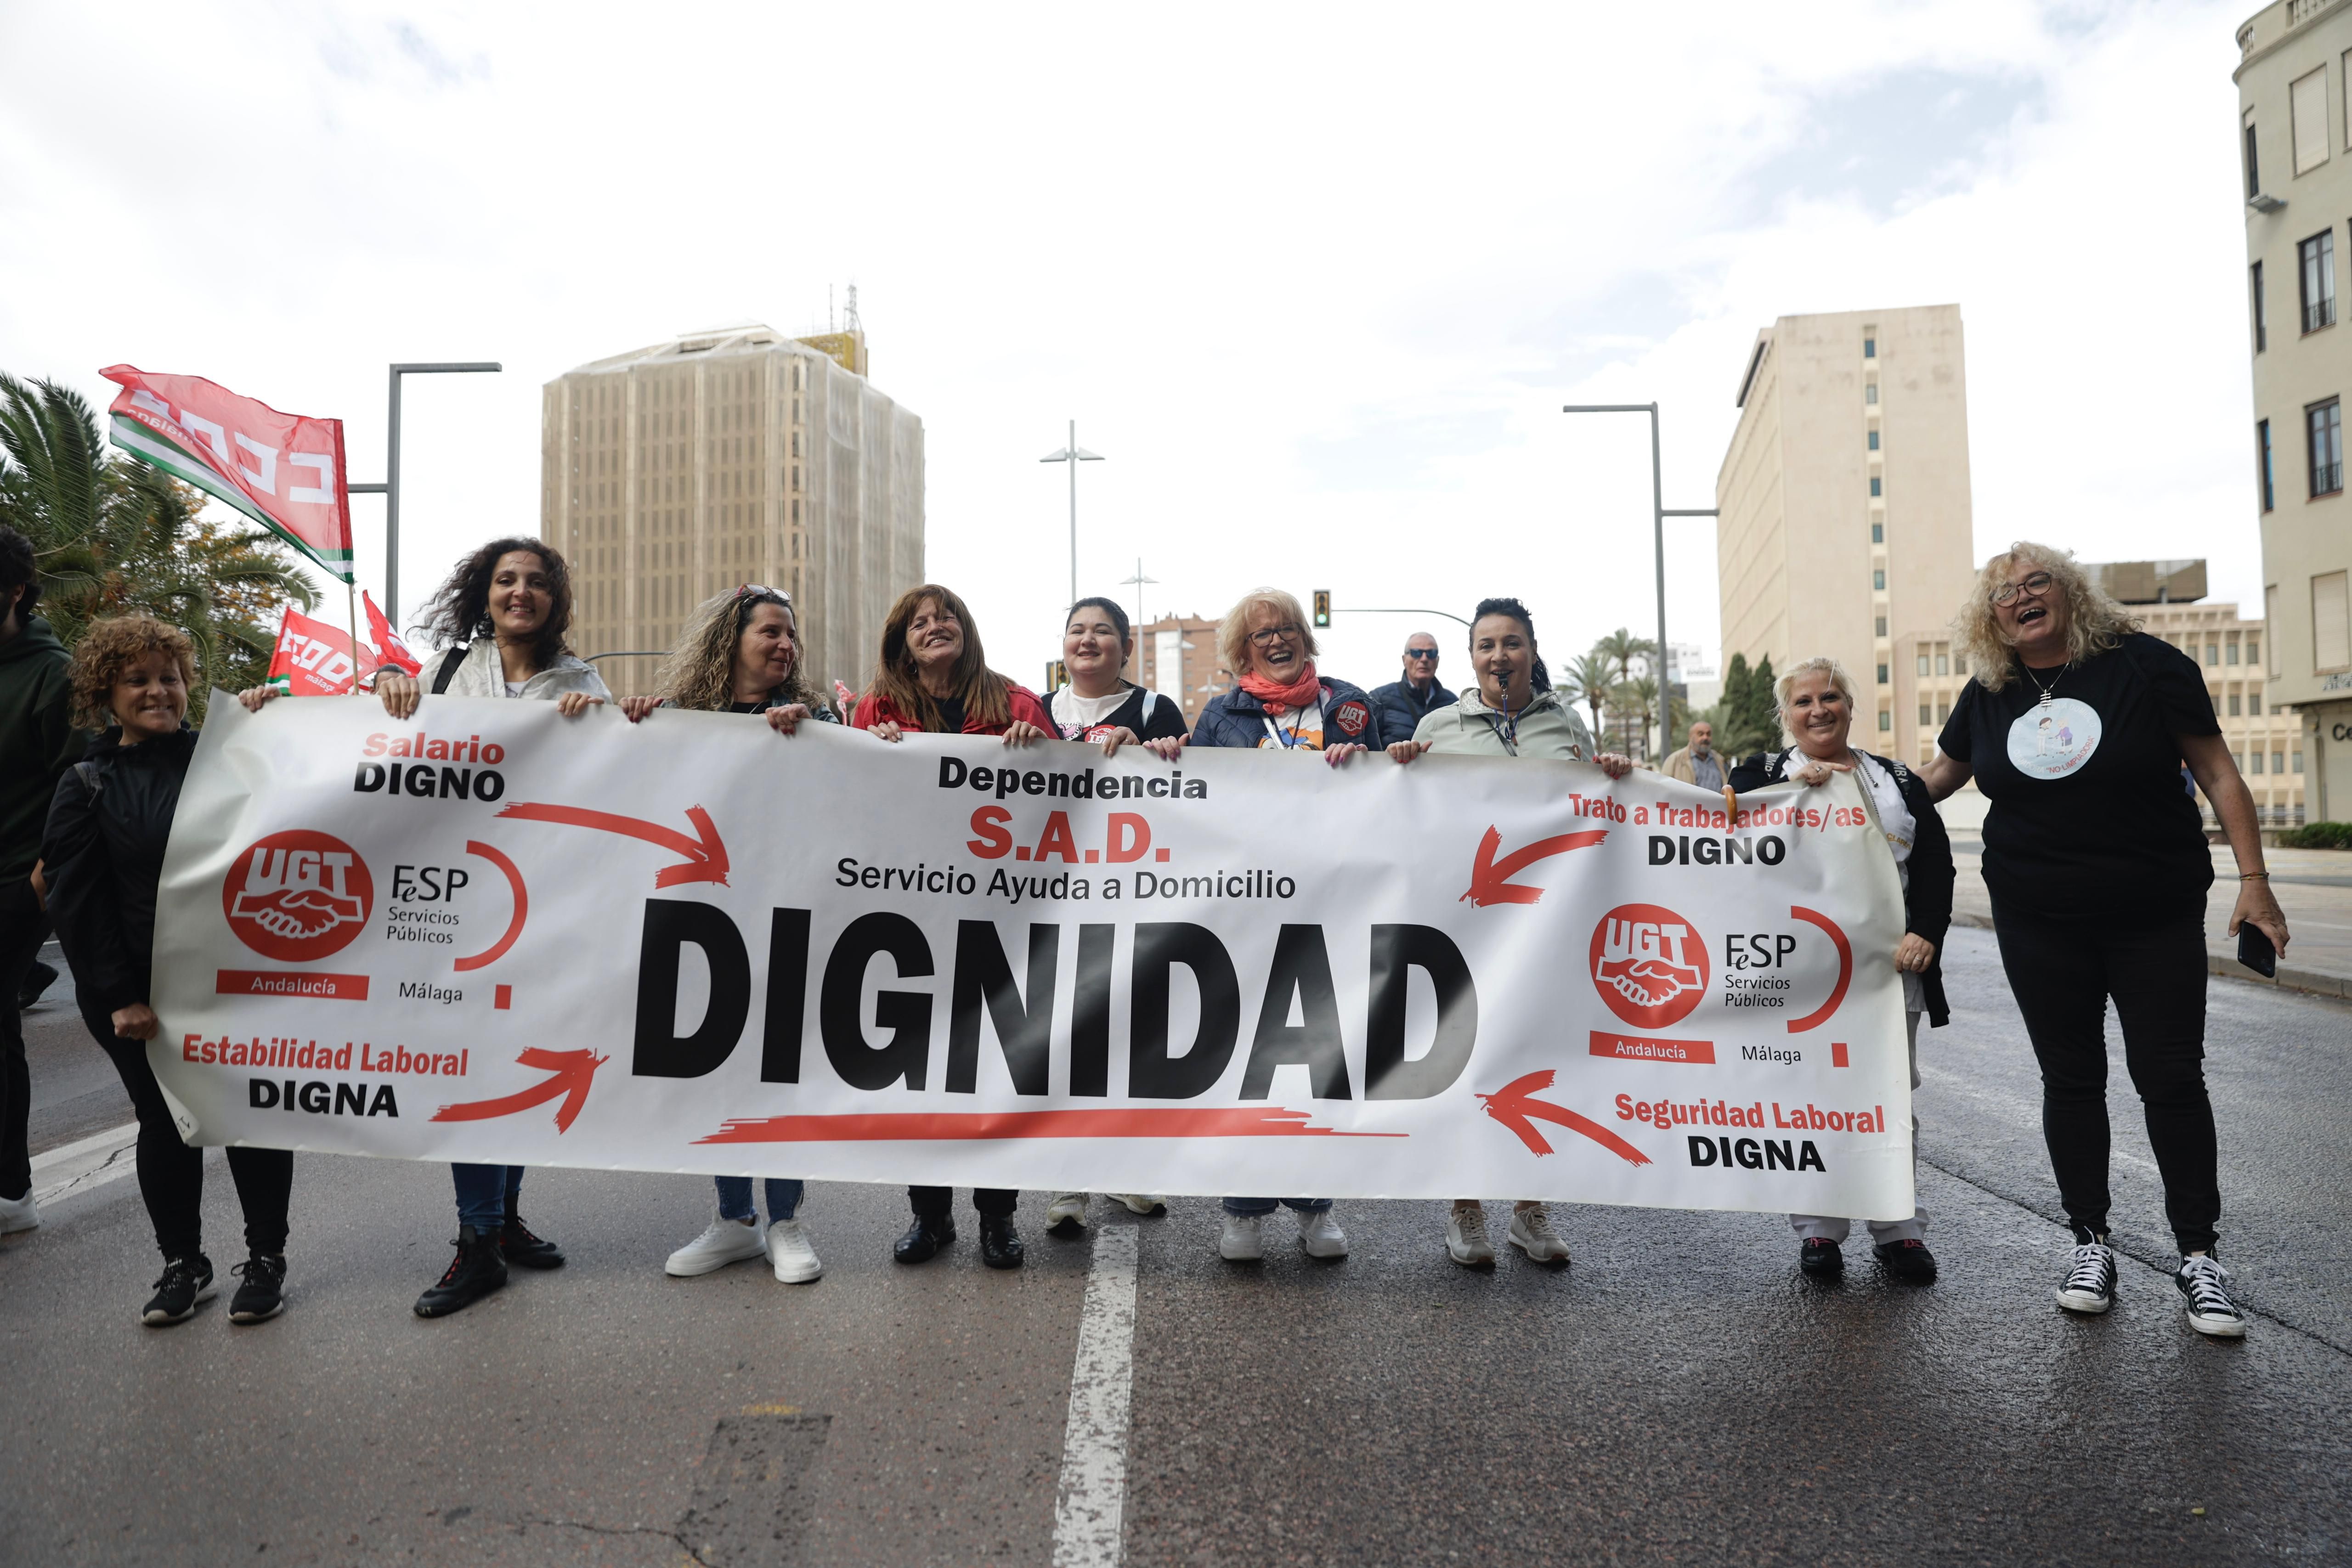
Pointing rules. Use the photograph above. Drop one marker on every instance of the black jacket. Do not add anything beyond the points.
(103, 857)
(1402, 708)
(37, 740)
(1927, 901)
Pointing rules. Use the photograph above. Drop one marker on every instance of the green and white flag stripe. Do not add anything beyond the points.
(182, 463)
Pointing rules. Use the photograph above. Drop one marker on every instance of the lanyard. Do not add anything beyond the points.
(1286, 741)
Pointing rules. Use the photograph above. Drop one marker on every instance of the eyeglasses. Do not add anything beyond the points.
(2036, 585)
(1420, 653)
(1266, 639)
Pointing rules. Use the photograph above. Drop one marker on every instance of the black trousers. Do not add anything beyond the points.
(2062, 973)
(23, 928)
(172, 1174)
(934, 1201)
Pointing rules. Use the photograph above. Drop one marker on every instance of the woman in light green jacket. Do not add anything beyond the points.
(1513, 712)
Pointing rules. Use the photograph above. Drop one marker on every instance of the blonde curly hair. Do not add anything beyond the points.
(1786, 687)
(700, 671)
(2095, 623)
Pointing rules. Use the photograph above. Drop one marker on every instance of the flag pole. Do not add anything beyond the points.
(352, 601)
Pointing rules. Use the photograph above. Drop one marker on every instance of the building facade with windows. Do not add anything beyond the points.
(2294, 93)
(1176, 656)
(1845, 524)
(675, 472)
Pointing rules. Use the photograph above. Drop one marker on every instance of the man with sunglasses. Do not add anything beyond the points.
(1403, 704)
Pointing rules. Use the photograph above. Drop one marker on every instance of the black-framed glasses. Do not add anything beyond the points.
(1266, 639)
(2037, 585)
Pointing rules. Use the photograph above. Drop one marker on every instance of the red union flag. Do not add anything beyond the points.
(390, 651)
(282, 470)
(313, 659)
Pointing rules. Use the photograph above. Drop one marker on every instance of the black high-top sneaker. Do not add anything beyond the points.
(476, 1271)
(525, 1251)
(185, 1282)
(262, 1296)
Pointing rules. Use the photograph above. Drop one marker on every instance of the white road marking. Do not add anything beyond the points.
(78, 1167)
(1090, 1511)
(2022, 1113)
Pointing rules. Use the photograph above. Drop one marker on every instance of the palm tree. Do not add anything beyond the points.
(114, 537)
(1621, 648)
(1636, 699)
(1587, 679)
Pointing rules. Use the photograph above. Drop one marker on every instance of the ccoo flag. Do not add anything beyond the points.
(391, 653)
(313, 659)
(282, 470)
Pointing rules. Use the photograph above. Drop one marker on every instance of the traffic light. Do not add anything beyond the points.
(1057, 675)
(1322, 607)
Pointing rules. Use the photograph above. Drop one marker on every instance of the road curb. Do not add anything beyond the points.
(2312, 982)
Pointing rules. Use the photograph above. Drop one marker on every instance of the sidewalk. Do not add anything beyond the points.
(2313, 886)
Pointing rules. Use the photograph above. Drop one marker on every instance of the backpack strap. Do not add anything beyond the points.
(446, 671)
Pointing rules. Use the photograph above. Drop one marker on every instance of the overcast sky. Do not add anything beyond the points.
(1314, 279)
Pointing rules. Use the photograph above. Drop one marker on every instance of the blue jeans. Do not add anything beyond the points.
(1266, 1205)
(735, 1198)
(486, 1195)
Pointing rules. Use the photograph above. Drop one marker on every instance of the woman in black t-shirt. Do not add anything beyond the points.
(2075, 728)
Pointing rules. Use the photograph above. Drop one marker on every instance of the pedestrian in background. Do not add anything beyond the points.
(933, 676)
(1696, 763)
(1815, 703)
(1278, 702)
(38, 743)
(102, 860)
(2074, 725)
(1512, 712)
(1405, 702)
(741, 653)
(1100, 706)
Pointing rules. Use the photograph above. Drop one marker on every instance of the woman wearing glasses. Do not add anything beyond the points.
(2075, 726)
(933, 676)
(1279, 702)
(741, 653)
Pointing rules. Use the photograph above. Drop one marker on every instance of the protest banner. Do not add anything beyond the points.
(313, 659)
(493, 933)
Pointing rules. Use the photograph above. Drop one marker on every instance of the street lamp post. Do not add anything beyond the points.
(1073, 454)
(1659, 514)
(389, 488)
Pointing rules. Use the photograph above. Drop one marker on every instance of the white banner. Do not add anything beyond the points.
(493, 933)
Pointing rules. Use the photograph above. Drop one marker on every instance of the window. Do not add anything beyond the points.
(2316, 257)
(1883, 675)
(1873, 441)
(2261, 320)
(1870, 389)
(1876, 485)
(2234, 705)
(2230, 651)
(1870, 348)
(2263, 456)
(2253, 166)
(2278, 761)
(2325, 421)
(1878, 579)
(1923, 713)
(2254, 704)
(1878, 537)
(2297, 760)
(1923, 663)
(2212, 653)
(2331, 627)
(1886, 720)
(2308, 109)
(1882, 625)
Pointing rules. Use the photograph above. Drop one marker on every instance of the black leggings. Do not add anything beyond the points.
(172, 1174)
(2062, 973)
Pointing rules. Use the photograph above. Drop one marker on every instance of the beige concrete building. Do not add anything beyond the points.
(1845, 526)
(675, 472)
(2294, 145)
(1176, 656)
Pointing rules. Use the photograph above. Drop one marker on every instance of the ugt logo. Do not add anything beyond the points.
(298, 895)
(1648, 965)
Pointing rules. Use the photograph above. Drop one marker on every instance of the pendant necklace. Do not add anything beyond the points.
(2052, 686)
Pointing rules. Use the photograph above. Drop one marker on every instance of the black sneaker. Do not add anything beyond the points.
(524, 1250)
(262, 1296)
(186, 1283)
(2211, 1312)
(1909, 1262)
(473, 1273)
(1821, 1258)
(2090, 1283)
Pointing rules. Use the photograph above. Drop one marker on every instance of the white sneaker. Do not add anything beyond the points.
(1320, 1234)
(1239, 1242)
(1066, 1215)
(1466, 1236)
(793, 1253)
(726, 1241)
(1532, 1234)
(1140, 1202)
(19, 1214)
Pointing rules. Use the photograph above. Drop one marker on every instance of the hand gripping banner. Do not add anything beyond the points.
(493, 933)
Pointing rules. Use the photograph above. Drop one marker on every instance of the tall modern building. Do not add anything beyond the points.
(1844, 522)
(1176, 656)
(675, 472)
(2294, 143)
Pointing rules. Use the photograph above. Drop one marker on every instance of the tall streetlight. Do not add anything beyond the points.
(1138, 582)
(1073, 454)
(1659, 514)
(389, 488)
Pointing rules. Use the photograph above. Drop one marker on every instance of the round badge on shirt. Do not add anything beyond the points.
(2053, 740)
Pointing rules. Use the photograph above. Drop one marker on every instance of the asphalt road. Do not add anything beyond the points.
(1679, 1395)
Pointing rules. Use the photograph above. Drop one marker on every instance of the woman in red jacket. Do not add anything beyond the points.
(933, 676)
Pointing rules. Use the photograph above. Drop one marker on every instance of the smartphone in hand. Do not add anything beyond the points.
(2255, 952)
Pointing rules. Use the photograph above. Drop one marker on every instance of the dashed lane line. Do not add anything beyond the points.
(1089, 1511)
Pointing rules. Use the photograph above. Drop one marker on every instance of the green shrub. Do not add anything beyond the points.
(2318, 836)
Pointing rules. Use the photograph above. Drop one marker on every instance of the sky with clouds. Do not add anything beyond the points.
(1314, 279)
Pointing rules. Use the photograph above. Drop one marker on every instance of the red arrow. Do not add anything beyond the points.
(573, 1070)
(1513, 1107)
(1490, 879)
(706, 856)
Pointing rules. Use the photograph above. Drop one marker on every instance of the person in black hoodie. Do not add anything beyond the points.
(37, 742)
(1816, 709)
(102, 859)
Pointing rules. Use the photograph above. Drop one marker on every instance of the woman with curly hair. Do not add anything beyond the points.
(102, 860)
(2075, 726)
(741, 653)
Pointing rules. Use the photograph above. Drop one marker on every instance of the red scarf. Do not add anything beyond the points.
(1277, 699)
